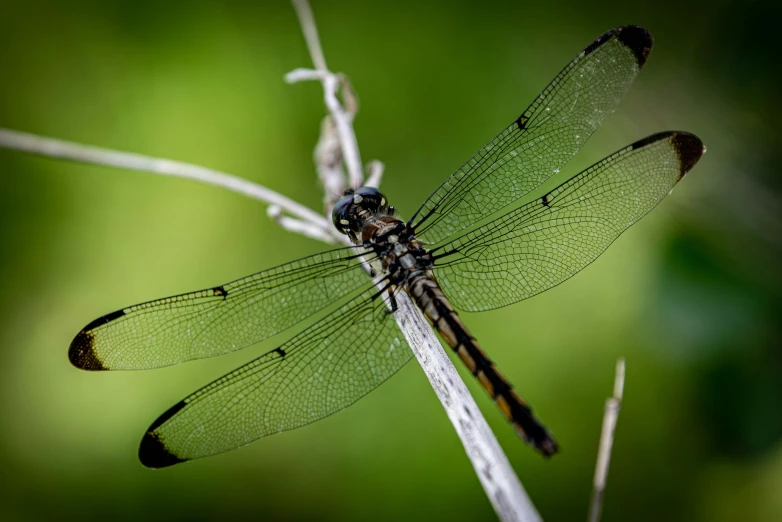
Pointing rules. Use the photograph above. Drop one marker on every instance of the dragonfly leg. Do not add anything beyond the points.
(391, 301)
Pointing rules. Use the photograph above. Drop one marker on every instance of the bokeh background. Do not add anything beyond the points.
(690, 296)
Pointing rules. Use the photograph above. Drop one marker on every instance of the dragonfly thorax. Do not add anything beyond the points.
(357, 207)
(364, 216)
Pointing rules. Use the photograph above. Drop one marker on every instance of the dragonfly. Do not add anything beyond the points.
(483, 239)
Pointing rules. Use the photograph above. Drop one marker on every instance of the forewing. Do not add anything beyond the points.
(217, 320)
(543, 243)
(542, 140)
(319, 372)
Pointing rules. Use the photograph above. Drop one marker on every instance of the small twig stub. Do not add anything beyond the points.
(610, 417)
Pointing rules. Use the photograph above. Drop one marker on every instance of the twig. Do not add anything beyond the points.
(342, 118)
(612, 407)
(310, 30)
(300, 227)
(375, 170)
(53, 148)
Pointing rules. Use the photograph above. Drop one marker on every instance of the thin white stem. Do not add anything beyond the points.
(310, 30)
(298, 226)
(54, 148)
(304, 75)
(375, 170)
(331, 82)
(610, 417)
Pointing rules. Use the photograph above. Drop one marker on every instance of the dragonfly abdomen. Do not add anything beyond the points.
(428, 295)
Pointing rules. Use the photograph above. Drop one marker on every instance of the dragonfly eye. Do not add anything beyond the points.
(346, 211)
(371, 199)
(340, 214)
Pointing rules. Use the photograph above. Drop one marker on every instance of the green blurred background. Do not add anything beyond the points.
(690, 296)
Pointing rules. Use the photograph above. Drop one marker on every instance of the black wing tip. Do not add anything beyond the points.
(152, 451)
(638, 40)
(153, 454)
(82, 350)
(689, 149)
(634, 37)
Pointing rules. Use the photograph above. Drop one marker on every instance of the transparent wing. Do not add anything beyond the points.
(543, 243)
(542, 140)
(217, 320)
(319, 372)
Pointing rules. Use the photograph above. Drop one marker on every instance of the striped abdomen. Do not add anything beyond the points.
(438, 310)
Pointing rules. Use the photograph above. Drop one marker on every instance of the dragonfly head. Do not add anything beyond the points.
(356, 207)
